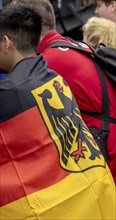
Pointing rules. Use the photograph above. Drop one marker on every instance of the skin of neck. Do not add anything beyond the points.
(16, 57)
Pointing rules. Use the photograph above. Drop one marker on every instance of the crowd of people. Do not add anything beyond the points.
(52, 144)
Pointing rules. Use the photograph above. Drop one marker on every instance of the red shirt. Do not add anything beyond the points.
(81, 75)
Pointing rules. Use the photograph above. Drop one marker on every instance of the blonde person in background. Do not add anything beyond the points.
(99, 30)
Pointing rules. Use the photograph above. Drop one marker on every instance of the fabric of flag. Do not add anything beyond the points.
(50, 165)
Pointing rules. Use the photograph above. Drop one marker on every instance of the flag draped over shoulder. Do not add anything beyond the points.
(50, 165)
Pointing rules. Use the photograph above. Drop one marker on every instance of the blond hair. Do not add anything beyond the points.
(99, 30)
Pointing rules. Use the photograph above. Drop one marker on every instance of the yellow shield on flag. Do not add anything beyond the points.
(70, 139)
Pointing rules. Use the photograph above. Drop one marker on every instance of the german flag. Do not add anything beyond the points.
(51, 167)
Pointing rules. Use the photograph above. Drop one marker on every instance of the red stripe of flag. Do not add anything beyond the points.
(29, 158)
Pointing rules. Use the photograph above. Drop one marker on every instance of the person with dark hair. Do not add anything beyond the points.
(28, 28)
(50, 165)
(22, 43)
(106, 9)
(81, 75)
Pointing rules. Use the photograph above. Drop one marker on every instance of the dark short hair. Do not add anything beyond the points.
(108, 2)
(45, 10)
(23, 25)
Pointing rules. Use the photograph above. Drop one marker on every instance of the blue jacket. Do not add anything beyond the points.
(2, 75)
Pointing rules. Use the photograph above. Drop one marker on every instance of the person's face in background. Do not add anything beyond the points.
(103, 10)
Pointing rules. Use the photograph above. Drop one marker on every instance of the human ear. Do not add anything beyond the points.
(6, 43)
(113, 4)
